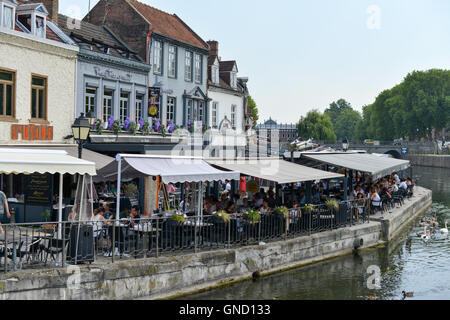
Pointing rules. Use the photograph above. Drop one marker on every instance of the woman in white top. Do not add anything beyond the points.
(375, 197)
(98, 221)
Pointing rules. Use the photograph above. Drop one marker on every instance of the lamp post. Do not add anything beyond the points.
(345, 145)
(80, 129)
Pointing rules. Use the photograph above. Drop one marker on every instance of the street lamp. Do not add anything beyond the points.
(80, 129)
(345, 145)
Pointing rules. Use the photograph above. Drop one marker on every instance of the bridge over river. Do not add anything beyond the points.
(394, 150)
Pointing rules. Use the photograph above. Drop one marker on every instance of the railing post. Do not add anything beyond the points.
(259, 230)
(195, 235)
(157, 237)
(229, 235)
(6, 249)
(310, 221)
(113, 241)
(63, 231)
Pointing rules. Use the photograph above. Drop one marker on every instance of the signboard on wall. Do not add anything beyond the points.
(38, 189)
(31, 132)
(154, 94)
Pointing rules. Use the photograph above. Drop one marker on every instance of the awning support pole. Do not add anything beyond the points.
(308, 192)
(61, 180)
(119, 177)
(345, 189)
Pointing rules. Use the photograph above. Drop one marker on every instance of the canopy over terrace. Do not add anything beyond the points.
(274, 169)
(29, 161)
(368, 163)
(171, 169)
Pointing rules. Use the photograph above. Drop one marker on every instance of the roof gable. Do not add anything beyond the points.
(168, 25)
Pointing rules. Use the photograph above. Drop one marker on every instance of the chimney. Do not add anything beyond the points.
(52, 7)
(214, 48)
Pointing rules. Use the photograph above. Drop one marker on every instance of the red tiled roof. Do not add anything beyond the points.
(169, 25)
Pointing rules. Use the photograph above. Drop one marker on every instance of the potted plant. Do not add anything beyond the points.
(116, 126)
(223, 215)
(180, 218)
(332, 204)
(253, 216)
(308, 208)
(133, 128)
(98, 125)
(282, 211)
(46, 215)
(146, 128)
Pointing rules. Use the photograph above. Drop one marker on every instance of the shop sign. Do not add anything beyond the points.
(38, 189)
(154, 101)
(109, 74)
(31, 132)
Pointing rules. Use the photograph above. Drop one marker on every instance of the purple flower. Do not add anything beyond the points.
(110, 121)
(189, 124)
(157, 125)
(126, 123)
(141, 124)
(171, 127)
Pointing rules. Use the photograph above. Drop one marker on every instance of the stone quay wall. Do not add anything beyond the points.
(436, 161)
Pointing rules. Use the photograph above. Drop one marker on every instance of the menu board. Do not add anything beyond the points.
(38, 189)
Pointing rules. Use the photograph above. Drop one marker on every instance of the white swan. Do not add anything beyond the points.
(445, 230)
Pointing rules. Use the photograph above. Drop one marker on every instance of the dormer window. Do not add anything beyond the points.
(215, 74)
(7, 17)
(33, 18)
(233, 80)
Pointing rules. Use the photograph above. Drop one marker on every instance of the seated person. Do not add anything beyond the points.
(184, 205)
(135, 218)
(265, 210)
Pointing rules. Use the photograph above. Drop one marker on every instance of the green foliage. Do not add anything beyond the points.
(308, 207)
(253, 216)
(223, 215)
(336, 109)
(317, 126)
(253, 108)
(179, 218)
(131, 190)
(413, 108)
(46, 215)
(346, 124)
(283, 211)
(332, 204)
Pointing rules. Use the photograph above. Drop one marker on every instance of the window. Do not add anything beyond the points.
(171, 103)
(107, 105)
(189, 110)
(214, 114)
(233, 116)
(38, 98)
(200, 111)
(198, 68)
(139, 109)
(157, 58)
(123, 107)
(89, 105)
(40, 27)
(215, 74)
(233, 80)
(25, 20)
(8, 17)
(188, 66)
(172, 61)
(7, 80)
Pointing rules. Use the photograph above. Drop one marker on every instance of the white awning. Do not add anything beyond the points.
(28, 161)
(375, 165)
(170, 169)
(274, 169)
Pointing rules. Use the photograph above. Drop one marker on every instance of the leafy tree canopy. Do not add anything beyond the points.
(317, 126)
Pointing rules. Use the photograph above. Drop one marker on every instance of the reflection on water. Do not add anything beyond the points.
(408, 263)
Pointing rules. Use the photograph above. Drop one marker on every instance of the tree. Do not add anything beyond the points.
(346, 124)
(253, 108)
(317, 126)
(336, 108)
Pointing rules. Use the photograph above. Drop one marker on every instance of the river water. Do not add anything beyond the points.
(407, 264)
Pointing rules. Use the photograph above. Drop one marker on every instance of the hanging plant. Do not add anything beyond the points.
(309, 207)
(162, 130)
(116, 126)
(332, 204)
(223, 215)
(110, 122)
(126, 124)
(253, 216)
(146, 128)
(133, 128)
(156, 126)
(171, 127)
(141, 124)
(98, 125)
(179, 218)
(283, 211)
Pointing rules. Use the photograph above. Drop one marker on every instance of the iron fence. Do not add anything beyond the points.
(25, 246)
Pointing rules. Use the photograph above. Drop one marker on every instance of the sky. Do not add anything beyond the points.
(301, 55)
